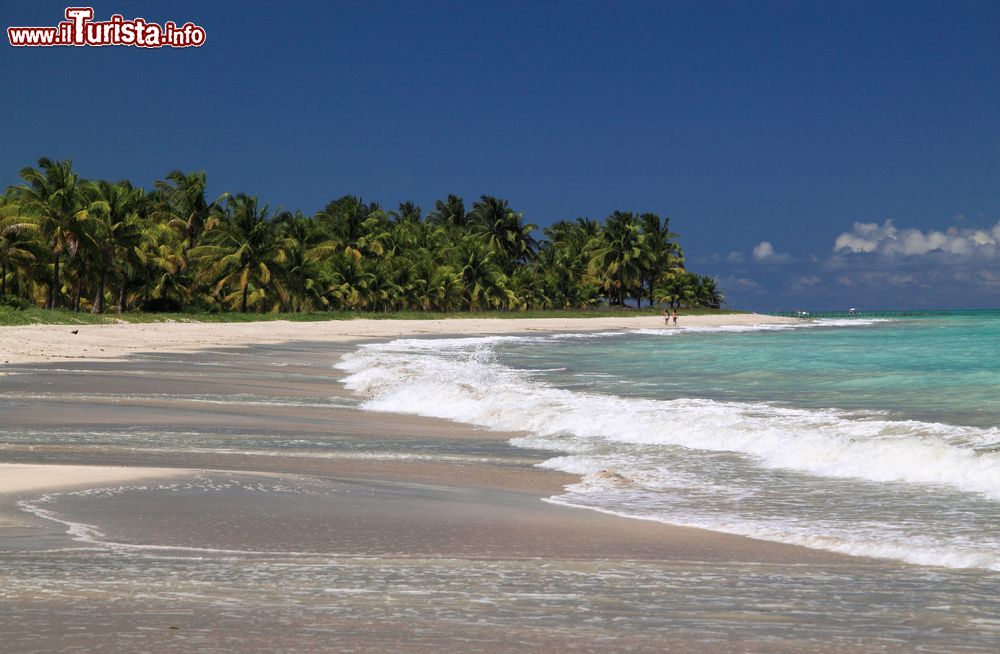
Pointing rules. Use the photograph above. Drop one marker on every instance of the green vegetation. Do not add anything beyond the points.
(76, 246)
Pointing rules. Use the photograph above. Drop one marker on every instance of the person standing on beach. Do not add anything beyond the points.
(666, 316)
(675, 317)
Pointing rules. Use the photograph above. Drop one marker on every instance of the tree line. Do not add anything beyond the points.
(95, 245)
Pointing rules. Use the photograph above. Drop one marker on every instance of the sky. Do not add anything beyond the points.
(812, 155)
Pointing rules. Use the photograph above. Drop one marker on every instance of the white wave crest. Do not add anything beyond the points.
(460, 380)
(763, 327)
(915, 550)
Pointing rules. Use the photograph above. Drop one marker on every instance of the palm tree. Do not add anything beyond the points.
(304, 278)
(424, 283)
(484, 284)
(662, 253)
(407, 213)
(444, 289)
(533, 289)
(186, 207)
(689, 289)
(619, 255)
(449, 213)
(711, 295)
(350, 283)
(51, 196)
(171, 281)
(357, 227)
(16, 244)
(73, 238)
(565, 260)
(383, 294)
(504, 230)
(301, 282)
(116, 234)
(241, 249)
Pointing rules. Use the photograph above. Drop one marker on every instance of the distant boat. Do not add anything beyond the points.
(802, 314)
(853, 312)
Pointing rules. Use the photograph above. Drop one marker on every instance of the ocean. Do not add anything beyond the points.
(875, 437)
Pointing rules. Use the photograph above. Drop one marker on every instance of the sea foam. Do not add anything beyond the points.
(461, 380)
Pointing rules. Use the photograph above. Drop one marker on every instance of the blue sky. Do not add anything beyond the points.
(779, 136)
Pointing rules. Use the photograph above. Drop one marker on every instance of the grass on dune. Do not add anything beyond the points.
(35, 316)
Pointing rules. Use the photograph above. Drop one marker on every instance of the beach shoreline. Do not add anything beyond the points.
(38, 343)
(249, 498)
(518, 480)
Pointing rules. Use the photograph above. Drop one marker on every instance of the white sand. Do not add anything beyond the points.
(23, 478)
(27, 477)
(36, 343)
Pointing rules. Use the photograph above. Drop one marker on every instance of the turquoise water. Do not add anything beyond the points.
(871, 437)
(943, 369)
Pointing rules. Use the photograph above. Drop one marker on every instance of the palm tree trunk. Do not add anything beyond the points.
(3, 279)
(121, 297)
(54, 290)
(76, 295)
(99, 299)
(243, 303)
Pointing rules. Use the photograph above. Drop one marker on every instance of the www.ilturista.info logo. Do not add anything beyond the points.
(79, 29)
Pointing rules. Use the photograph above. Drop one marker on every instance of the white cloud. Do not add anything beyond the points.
(889, 241)
(764, 252)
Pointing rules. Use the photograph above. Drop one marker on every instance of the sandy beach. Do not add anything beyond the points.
(259, 508)
(531, 529)
(52, 342)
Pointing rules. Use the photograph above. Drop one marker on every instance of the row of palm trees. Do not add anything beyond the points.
(88, 244)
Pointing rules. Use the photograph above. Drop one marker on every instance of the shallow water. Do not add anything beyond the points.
(250, 565)
(384, 604)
